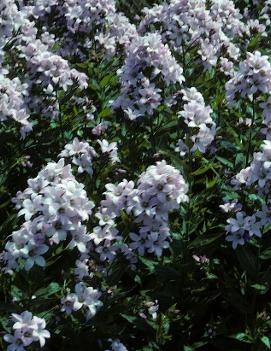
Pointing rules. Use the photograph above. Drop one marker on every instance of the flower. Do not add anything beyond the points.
(109, 148)
(241, 228)
(83, 297)
(28, 329)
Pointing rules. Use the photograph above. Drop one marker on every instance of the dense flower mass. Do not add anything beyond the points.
(148, 61)
(54, 207)
(191, 23)
(253, 77)
(11, 20)
(12, 102)
(159, 190)
(85, 16)
(140, 132)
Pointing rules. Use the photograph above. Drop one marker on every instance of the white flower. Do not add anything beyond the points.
(154, 307)
(40, 333)
(197, 116)
(71, 303)
(28, 329)
(109, 148)
(83, 297)
(116, 345)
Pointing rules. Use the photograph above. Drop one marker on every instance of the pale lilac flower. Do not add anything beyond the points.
(116, 345)
(83, 297)
(253, 77)
(148, 61)
(109, 148)
(28, 329)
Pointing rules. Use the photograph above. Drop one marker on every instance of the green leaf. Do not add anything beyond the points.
(266, 254)
(106, 112)
(165, 323)
(166, 127)
(205, 240)
(266, 341)
(254, 42)
(51, 289)
(211, 183)
(106, 80)
(130, 319)
(225, 162)
(188, 348)
(202, 170)
(148, 263)
(262, 289)
(242, 337)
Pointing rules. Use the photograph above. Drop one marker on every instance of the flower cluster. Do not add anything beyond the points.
(84, 24)
(43, 71)
(251, 80)
(12, 102)
(148, 62)
(28, 329)
(85, 298)
(243, 227)
(82, 155)
(54, 206)
(196, 116)
(87, 15)
(185, 24)
(39, 8)
(258, 173)
(48, 69)
(265, 13)
(10, 21)
(105, 235)
(159, 190)
(257, 177)
(118, 32)
(253, 77)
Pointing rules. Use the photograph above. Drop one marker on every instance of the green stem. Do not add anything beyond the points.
(60, 120)
(184, 62)
(85, 127)
(250, 132)
(153, 143)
